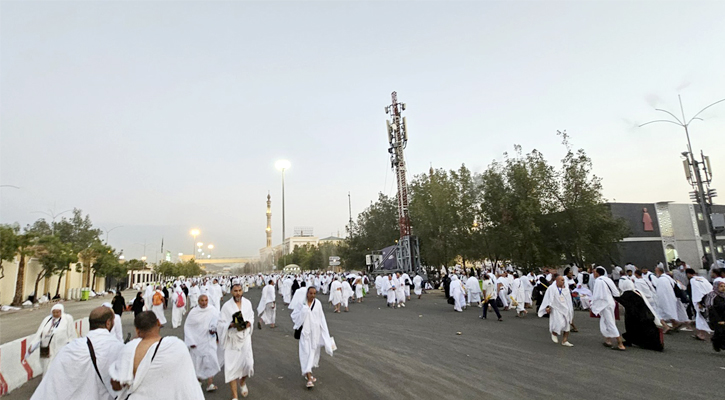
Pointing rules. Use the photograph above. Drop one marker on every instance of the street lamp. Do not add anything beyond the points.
(194, 233)
(210, 247)
(108, 231)
(701, 196)
(283, 165)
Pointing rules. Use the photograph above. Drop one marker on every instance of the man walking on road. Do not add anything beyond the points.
(80, 370)
(235, 334)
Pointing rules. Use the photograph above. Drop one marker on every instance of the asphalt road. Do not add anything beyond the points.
(416, 352)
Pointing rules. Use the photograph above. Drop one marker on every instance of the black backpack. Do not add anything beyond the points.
(585, 279)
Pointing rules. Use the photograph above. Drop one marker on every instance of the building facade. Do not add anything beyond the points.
(664, 232)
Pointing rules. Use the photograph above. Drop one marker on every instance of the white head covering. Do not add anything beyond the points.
(625, 285)
(107, 304)
(716, 282)
(58, 307)
(300, 298)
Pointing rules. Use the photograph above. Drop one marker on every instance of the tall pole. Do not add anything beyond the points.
(284, 245)
(702, 195)
(349, 206)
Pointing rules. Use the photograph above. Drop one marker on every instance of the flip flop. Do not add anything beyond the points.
(259, 325)
(245, 391)
(607, 345)
(310, 385)
(618, 349)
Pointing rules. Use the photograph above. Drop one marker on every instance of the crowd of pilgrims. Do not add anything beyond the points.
(217, 336)
(655, 303)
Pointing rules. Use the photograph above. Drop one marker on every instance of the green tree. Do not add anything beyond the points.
(106, 263)
(580, 226)
(54, 256)
(376, 228)
(21, 244)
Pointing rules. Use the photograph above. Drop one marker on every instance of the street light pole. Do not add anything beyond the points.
(283, 165)
(194, 233)
(701, 195)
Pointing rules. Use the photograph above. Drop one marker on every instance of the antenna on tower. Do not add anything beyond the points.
(408, 254)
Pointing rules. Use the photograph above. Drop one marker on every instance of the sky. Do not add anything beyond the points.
(159, 117)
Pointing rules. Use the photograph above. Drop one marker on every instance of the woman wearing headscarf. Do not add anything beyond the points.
(54, 332)
(640, 319)
(308, 317)
(715, 303)
(138, 303)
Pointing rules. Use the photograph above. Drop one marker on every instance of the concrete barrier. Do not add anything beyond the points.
(16, 369)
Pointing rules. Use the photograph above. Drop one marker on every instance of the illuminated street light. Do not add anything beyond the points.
(194, 233)
(210, 247)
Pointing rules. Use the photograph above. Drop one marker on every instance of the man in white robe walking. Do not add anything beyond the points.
(236, 338)
(603, 304)
(72, 374)
(194, 294)
(700, 288)
(158, 307)
(266, 308)
(457, 292)
(152, 367)
(307, 315)
(200, 336)
(389, 290)
(557, 303)
(418, 285)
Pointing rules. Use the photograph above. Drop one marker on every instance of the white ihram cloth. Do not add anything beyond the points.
(456, 291)
(389, 290)
(527, 282)
(199, 323)
(314, 335)
(399, 284)
(238, 357)
(148, 297)
(159, 310)
(71, 376)
(603, 304)
(177, 313)
(359, 288)
(418, 285)
(700, 288)
(474, 290)
(170, 375)
(57, 332)
(519, 294)
(667, 302)
(194, 294)
(404, 279)
(645, 288)
(379, 284)
(215, 295)
(287, 290)
(561, 311)
(335, 293)
(346, 293)
(266, 309)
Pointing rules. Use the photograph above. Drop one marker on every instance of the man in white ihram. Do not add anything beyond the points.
(152, 367)
(78, 372)
(266, 308)
(200, 335)
(307, 315)
(557, 303)
(603, 304)
(236, 340)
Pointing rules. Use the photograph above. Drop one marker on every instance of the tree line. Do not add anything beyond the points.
(70, 243)
(521, 210)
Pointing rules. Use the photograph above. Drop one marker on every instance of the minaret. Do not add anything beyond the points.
(269, 221)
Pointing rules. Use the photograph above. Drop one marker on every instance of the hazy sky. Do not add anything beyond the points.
(165, 116)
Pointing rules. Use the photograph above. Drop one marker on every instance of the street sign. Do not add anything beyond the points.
(334, 261)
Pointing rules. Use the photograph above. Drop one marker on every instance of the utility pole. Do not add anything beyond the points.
(694, 167)
(349, 207)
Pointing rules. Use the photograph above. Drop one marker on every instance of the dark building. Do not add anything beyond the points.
(664, 232)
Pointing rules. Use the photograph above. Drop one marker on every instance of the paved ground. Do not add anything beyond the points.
(416, 353)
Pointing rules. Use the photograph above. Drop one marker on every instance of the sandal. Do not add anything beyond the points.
(245, 391)
(310, 385)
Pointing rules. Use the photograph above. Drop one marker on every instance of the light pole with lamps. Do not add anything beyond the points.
(701, 196)
(210, 247)
(283, 165)
(194, 233)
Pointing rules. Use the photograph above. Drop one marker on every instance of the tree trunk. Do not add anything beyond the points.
(88, 276)
(37, 281)
(57, 288)
(93, 284)
(20, 283)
